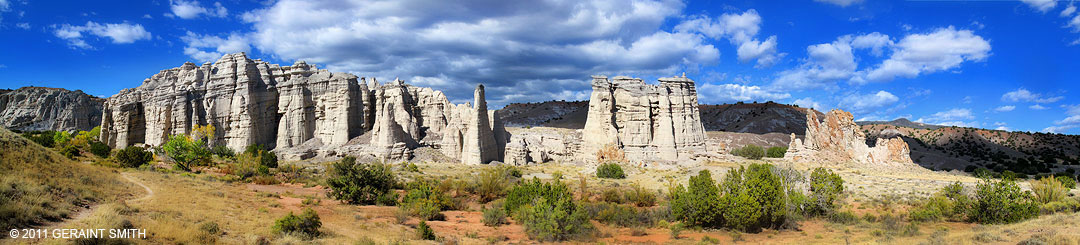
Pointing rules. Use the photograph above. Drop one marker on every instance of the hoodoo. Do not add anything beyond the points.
(649, 122)
(299, 106)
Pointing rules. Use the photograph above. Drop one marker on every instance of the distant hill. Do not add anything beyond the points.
(901, 122)
(945, 148)
(41, 108)
(757, 118)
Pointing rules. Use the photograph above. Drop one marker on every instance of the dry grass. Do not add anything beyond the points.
(39, 186)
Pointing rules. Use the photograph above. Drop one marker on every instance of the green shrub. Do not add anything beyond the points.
(424, 231)
(753, 198)
(624, 216)
(359, 183)
(133, 157)
(1048, 189)
(611, 195)
(641, 197)
(186, 152)
(44, 138)
(699, 203)
(1067, 181)
(1065, 205)
(61, 138)
(750, 152)
(266, 157)
(610, 170)
(421, 200)
(1001, 201)
(222, 151)
(305, 225)
(492, 183)
(547, 210)
(70, 151)
(776, 151)
(99, 149)
(949, 203)
(388, 198)
(495, 215)
(842, 217)
(826, 188)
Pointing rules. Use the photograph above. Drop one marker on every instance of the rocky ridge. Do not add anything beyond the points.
(300, 110)
(39, 108)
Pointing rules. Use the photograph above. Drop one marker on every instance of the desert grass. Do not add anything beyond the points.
(39, 186)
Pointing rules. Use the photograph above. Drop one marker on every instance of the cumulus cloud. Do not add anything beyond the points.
(1005, 108)
(943, 49)
(519, 50)
(1023, 95)
(1041, 5)
(808, 103)
(865, 103)
(1068, 11)
(951, 117)
(940, 50)
(24, 26)
(1037, 107)
(1070, 122)
(193, 9)
(209, 48)
(723, 93)
(841, 3)
(119, 33)
(740, 30)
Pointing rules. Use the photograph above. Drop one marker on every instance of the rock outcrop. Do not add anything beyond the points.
(302, 111)
(247, 101)
(542, 144)
(649, 122)
(38, 108)
(838, 139)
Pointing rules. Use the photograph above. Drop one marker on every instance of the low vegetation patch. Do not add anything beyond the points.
(610, 170)
(359, 183)
(547, 210)
(305, 225)
(776, 151)
(1001, 201)
(749, 152)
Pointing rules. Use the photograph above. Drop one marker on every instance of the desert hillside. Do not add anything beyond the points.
(39, 186)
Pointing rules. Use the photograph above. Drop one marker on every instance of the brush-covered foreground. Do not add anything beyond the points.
(429, 203)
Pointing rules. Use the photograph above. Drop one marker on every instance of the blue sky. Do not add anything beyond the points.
(989, 64)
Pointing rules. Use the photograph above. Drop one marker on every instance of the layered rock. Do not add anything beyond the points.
(247, 101)
(38, 108)
(649, 122)
(540, 145)
(838, 139)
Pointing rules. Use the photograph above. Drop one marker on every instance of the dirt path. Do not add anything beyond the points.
(83, 214)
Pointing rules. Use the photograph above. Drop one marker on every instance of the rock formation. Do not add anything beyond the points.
(247, 101)
(38, 108)
(649, 122)
(838, 139)
(540, 145)
(301, 110)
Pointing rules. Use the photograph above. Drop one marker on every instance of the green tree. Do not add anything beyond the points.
(754, 198)
(826, 188)
(699, 204)
(1000, 202)
(359, 183)
(186, 152)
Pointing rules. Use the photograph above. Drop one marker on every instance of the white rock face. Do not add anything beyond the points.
(38, 108)
(542, 144)
(838, 139)
(247, 101)
(649, 122)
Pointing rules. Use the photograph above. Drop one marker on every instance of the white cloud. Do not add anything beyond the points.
(740, 30)
(1041, 5)
(1074, 119)
(517, 49)
(841, 3)
(1005, 108)
(1023, 95)
(951, 117)
(808, 103)
(1071, 109)
(1070, 122)
(197, 45)
(1059, 129)
(192, 9)
(119, 33)
(943, 49)
(1068, 11)
(723, 93)
(24, 26)
(1037, 107)
(1003, 128)
(830, 62)
(865, 103)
